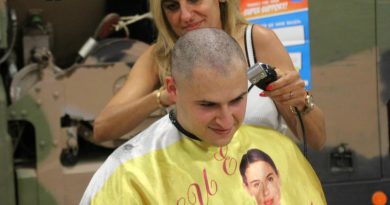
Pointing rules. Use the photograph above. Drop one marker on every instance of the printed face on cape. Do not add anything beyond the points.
(263, 180)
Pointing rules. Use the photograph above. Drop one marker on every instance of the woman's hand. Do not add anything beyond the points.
(288, 89)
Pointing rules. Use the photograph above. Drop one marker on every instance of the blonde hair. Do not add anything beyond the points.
(230, 17)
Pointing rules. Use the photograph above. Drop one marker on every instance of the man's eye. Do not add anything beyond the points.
(193, 1)
(208, 105)
(171, 6)
(237, 100)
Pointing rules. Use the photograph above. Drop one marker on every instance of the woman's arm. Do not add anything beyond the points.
(133, 103)
(289, 89)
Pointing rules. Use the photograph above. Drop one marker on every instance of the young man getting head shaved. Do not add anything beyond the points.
(192, 155)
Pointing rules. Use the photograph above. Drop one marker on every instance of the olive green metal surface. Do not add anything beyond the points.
(7, 186)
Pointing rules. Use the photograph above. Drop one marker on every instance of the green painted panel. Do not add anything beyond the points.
(7, 186)
(340, 28)
(27, 186)
(27, 109)
(30, 192)
(383, 25)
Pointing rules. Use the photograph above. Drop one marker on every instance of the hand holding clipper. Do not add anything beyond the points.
(261, 75)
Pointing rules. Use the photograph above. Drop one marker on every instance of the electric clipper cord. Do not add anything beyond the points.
(261, 75)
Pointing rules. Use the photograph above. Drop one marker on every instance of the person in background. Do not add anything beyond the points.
(144, 91)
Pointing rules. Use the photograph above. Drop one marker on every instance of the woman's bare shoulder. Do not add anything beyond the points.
(264, 35)
(147, 59)
(269, 48)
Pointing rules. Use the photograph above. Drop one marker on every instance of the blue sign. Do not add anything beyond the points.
(292, 28)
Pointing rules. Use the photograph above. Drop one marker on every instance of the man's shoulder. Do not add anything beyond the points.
(256, 130)
(157, 136)
(264, 136)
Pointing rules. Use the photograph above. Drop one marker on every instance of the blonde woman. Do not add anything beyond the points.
(144, 93)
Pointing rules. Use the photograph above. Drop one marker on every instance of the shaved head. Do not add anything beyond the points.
(209, 85)
(206, 48)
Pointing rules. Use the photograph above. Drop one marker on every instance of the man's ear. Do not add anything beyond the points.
(170, 85)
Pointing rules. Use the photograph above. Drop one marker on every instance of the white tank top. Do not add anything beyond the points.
(260, 110)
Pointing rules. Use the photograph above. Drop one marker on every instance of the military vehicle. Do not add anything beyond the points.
(47, 111)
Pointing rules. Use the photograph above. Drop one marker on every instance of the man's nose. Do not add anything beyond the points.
(224, 117)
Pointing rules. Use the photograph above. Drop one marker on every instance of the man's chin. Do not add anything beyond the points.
(222, 142)
(221, 139)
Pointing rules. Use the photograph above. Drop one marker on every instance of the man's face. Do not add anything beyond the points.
(211, 105)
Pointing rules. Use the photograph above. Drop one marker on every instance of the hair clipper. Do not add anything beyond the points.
(261, 75)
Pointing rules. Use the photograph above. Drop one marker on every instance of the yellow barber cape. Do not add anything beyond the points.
(169, 168)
